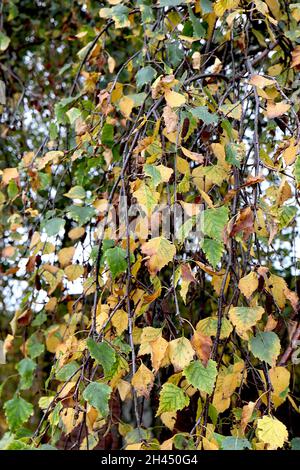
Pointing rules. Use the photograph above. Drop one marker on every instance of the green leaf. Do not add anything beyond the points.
(34, 347)
(116, 259)
(152, 172)
(175, 53)
(208, 327)
(17, 412)
(215, 173)
(4, 41)
(201, 112)
(118, 13)
(39, 319)
(67, 371)
(171, 398)
(138, 98)
(235, 443)
(98, 395)
(234, 154)
(144, 76)
(214, 221)
(265, 346)
(295, 443)
(206, 6)
(81, 214)
(77, 192)
(73, 114)
(297, 170)
(54, 226)
(198, 28)
(147, 14)
(170, 3)
(243, 318)
(202, 377)
(183, 231)
(213, 250)
(103, 354)
(286, 215)
(107, 135)
(26, 368)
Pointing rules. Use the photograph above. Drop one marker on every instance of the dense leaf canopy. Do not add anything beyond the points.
(149, 183)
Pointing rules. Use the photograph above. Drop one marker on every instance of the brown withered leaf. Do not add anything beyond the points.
(170, 118)
(244, 223)
(246, 414)
(202, 345)
(30, 265)
(271, 323)
(293, 299)
(252, 180)
(296, 57)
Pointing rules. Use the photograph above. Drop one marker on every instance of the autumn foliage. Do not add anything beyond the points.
(149, 195)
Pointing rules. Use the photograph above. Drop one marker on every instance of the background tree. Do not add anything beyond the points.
(112, 339)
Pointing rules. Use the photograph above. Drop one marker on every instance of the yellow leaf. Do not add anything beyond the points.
(260, 82)
(124, 389)
(165, 172)
(111, 64)
(9, 174)
(159, 352)
(220, 6)
(209, 445)
(206, 198)
(142, 381)
(276, 286)
(169, 419)
(208, 327)
(280, 380)
(102, 316)
(120, 321)
(276, 109)
(74, 271)
(160, 251)
(191, 208)
(219, 151)
(146, 197)
(76, 233)
(138, 446)
(174, 99)
(53, 156)
(228, 380)
(248, 284)
(65, 256)
(196, 157)
(271, 432)
(274, 8)
(244, 318)
(196, 60)
(167, 445)
(70, 418)
(182, 165)
(233, 110)
(54, 337)
(181, 353)
(290, 153)
(126, 105)
(51, 304)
